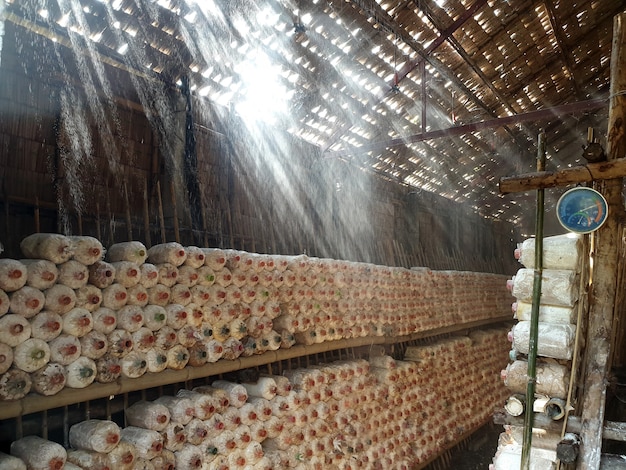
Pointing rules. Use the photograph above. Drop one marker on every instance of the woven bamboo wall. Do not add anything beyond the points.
(123, 178)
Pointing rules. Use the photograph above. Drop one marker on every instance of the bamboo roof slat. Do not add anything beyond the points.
(340, 70)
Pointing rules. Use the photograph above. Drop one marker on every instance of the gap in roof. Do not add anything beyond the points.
(263, 96)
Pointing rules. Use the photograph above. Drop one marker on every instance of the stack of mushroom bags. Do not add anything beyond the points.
(457, 385)
(69, 315)
(47, 307)
(555, 345)
(325, 299)
(381, 413)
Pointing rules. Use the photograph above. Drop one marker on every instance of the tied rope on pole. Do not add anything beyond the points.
(534, 319)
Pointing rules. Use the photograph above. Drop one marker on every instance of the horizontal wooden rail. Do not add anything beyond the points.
(550, 179)
(614, 431)
(35, 403)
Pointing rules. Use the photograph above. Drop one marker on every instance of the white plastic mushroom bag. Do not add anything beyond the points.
(552, 378)
(547, 313)
(556, 341)
(559, 252)
(558, 286)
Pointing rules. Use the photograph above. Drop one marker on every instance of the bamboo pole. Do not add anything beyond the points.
(604, 275)
(19, 428)
(129, 224)
(37, 220)
(581, 308)
(146, 215)
(615, 431)
(110, 215)
(161, 217)
(175, 208)
(149, 189)
(229, 222)
(572, 424)
(568, 176)
(98, 229)
(534, 317)
(44, 424)
(273, 229)
(203, 215)
(66, 427)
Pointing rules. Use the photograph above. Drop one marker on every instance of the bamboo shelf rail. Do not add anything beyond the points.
(35, 403)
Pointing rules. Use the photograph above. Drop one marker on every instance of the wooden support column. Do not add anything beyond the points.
(604, 275)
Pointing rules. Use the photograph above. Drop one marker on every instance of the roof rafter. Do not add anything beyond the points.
(382, 18)
(465, 56)
(543, 114)
(561, 43)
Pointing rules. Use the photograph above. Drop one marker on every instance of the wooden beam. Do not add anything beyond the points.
(612, 462)
(446, 35)
(603, 289)
(574, 175)
(541, 421)
(562, 46)
(548, 114)
(614, 431)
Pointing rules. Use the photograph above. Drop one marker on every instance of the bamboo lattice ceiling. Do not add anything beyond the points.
(396, 87)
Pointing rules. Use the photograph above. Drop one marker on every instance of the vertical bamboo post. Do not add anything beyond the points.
(534, 317)
(98, 229)
(423, 94)
(37, 220)
(125, 400)
(205, 234)
(154, 175)
(603, 287)
(175, 208)
(110, 215)
(146, 215)
(66, 426)
(161, 217)
(19, 428)
(7, 224)
(79, 220)
(273, 229)
(44, 424)
(107, 409)
(129, 224)
(229, 223)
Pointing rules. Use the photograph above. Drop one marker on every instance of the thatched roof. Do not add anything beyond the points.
(429, 93)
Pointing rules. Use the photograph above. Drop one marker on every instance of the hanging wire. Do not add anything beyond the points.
(395, 88)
